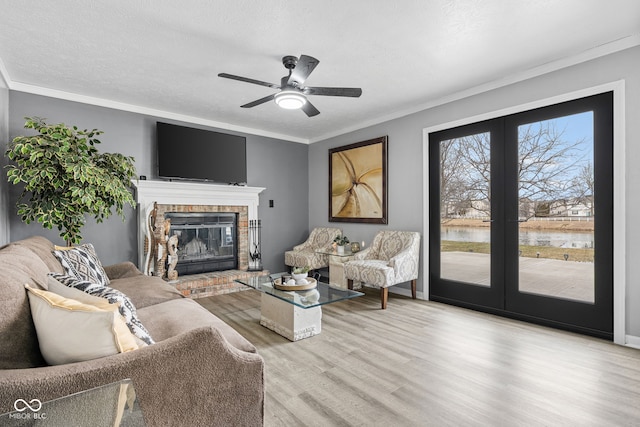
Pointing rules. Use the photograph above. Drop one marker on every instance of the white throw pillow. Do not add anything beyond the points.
(71, 331)
(83, 297)
(68, 292)
(126, 307)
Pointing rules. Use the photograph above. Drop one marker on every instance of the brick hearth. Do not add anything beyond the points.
(213, 283)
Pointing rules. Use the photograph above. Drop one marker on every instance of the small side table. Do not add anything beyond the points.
(336, 266)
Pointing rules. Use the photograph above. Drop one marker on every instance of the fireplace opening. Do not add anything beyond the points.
(207, 241)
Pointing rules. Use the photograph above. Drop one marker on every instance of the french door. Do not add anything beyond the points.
(521, 215)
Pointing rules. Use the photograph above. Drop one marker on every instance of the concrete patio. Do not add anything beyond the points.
(551, 277)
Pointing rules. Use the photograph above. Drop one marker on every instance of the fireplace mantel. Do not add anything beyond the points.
(149, 192)
(197, 193)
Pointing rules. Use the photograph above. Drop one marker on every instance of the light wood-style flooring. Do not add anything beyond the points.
(421, 363)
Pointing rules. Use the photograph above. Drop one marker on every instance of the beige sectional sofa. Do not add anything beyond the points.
(200, 371)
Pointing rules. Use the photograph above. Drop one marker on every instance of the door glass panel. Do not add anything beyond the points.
(465, 209)
(556, 207)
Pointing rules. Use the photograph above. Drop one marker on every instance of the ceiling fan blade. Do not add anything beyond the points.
(248, 80)
(304, 67)
(354, 92)
(309, 109)
(259, 101)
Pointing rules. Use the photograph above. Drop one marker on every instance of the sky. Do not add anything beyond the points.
(575, 127)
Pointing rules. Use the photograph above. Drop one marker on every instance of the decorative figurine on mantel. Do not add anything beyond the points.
(172, 259)
(150, 239)
(162, 237)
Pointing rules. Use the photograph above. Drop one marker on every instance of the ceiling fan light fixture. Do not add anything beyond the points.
(290, 100)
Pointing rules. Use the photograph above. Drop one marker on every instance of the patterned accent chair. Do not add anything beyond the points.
(393, 257)
(305, 254)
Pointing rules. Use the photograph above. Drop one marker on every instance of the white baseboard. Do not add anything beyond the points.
(632, 341)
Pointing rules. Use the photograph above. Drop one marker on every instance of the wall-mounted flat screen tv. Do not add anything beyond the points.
(197, 154)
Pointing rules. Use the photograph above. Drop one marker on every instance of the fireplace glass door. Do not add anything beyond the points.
(206, 241)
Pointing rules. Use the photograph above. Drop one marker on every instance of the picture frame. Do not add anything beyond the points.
(358, 181)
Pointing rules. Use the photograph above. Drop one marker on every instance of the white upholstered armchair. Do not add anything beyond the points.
(305, 253)
(393, 257)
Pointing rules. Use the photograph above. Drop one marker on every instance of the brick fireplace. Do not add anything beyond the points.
(181, 197)
(164, 211)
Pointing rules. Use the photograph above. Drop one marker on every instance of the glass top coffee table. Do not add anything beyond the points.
(294, 314)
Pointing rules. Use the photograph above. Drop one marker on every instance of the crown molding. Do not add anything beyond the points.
(107, 103)
(584, 56)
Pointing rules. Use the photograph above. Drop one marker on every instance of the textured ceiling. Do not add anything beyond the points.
(164, 56)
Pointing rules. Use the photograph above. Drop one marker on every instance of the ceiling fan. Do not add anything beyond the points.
(293, 93)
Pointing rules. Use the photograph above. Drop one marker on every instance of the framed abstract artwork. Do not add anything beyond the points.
(358, 182)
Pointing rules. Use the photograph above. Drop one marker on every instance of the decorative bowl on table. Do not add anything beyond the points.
(299, 277)
(290, 286)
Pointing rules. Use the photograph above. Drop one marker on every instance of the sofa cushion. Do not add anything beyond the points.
(18, 339)
(72, 331)
(43, 248)
(83, 263)
(175, 317)
(122, 270)
(146, 290)
(125, 306)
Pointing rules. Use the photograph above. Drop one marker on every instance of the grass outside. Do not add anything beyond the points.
(548, 252)
(532, 224)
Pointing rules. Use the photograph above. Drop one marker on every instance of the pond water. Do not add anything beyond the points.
(558, 239)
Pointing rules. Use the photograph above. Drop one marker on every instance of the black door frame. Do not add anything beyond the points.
(489, 297)
(503, 297)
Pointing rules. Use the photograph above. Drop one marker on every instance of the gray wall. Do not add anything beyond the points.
(4, 138)
(134, 135)
(289, 221)
(406, 140)
(280, 167)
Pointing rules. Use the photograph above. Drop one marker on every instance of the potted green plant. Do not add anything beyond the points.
(300, 273)
(341, 240)
(66, 178)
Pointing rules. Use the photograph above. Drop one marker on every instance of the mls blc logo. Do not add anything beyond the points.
(34, 405)
(22, 405)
